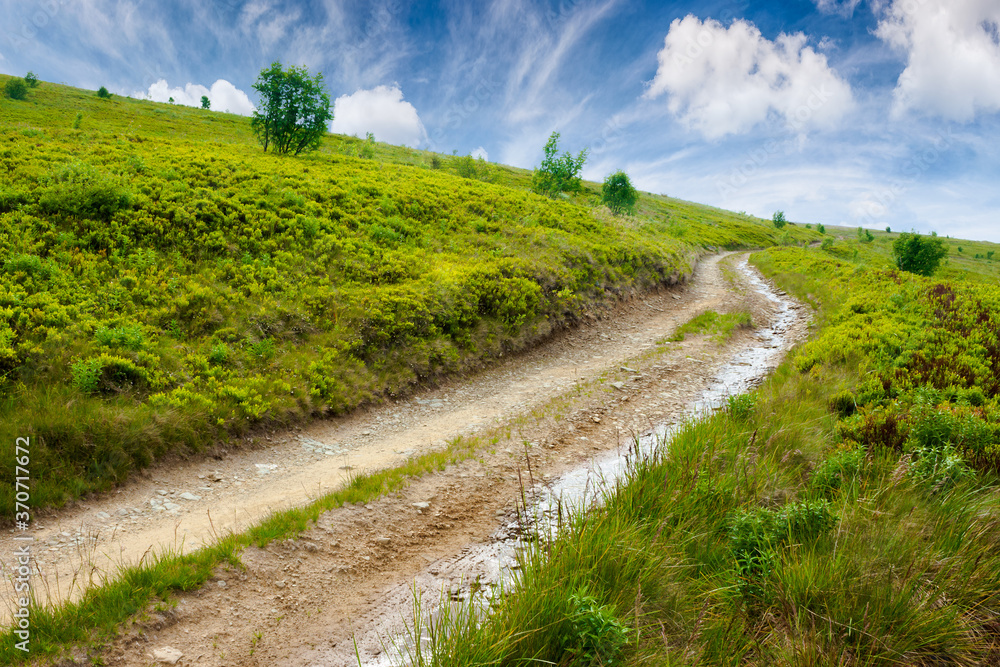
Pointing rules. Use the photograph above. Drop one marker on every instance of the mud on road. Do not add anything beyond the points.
(304, 602)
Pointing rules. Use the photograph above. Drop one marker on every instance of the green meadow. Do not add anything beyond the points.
(166, 286)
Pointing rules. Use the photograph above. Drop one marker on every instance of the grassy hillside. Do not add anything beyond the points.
(847, 512)
(164, 284)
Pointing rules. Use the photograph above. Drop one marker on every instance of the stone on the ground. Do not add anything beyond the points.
(167, 655)
(190, 496)
(422, 505)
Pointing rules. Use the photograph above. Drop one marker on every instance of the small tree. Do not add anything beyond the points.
(821, 228)
(103, 93)
(294, 110)
(557, 173)
(31, 80)
(16, 89)
(618, 194)
(918, 254)
(779, 219)
(205, 102)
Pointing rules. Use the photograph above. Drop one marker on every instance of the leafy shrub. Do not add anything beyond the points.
(843, 403)
(263, 349)
(78, 120)
(618, 194)
(435, 162)
(110, 374)
(79, 189)
(205, 102)
(103, 93)
(475, 168)
(219, 354)
(821, 228)
(28, 265)
(835, 471)
(31, 80)
(597, 636)
(827, 244)
(16, 89)
(129, 337)
(366, 149)
(779, 219)
(742, 407)
(865, 236)
(918, 254)
(557, 173)
(11, 199)
(940, 468)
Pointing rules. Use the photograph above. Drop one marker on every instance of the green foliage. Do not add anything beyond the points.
(618, 194)
(742, 407)
(597, 636)
(477, 169)
(31, 80)
(81, 190)
(78, 120)
(778, 219)
(103, 93)
(294, 110)
(840, 470)
(844, 403)
(918, 254)
(865, 236)
(722, 326)
(558, 173)
(16, 89)
(205, 102)
(131, 337)
(821, 228)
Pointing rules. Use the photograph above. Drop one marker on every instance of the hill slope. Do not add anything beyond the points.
(165, 284)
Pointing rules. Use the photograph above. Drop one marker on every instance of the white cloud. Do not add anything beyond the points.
(481, 153)
(727, 80)
(381, 111)
(843, 7)
(223, 95)
(953, 56)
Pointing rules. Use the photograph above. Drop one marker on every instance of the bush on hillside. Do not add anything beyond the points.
(618, 194)
(294, 109)
(81, 190)
(16, 89)
(31, 80)
(103, 93)
(918, 254)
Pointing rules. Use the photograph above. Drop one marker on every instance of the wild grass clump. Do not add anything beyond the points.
(721, 326)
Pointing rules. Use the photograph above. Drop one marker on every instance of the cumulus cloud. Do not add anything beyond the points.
(381, 111)
(727, 80)
(481, 153)
(223, 95)
(952, 49)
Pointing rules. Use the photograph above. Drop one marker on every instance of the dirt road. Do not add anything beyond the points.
(300, 602)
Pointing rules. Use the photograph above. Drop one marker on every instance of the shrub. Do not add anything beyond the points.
(821, 229)
(843, 403)
(779, 219)
(78, 120)
(205, 102)
(742, 407)
(827, 244)
(478, 169)
(31, 80)
(597, 636)
(16, 89)
(832, 473)
(918, 254)
(109, 374)
(557, 173)
(618, 194)
(865, 236)
(367, 148)
(130, 337)
(80, 190)
(219, 354)
(103, 93)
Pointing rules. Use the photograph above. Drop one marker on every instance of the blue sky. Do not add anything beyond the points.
(858, 112)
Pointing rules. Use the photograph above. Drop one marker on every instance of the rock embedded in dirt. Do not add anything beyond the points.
(167, 655)
(189, 496)
(422, 505)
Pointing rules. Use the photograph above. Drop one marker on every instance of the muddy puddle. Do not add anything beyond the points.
(482, 568)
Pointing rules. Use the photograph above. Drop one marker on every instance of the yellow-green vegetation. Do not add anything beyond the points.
(847, 512)
(165, 284)
(721, 326)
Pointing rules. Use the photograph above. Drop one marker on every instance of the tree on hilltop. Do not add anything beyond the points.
(205, 102)
(558, 173)
(918, 254)
(294, 110)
